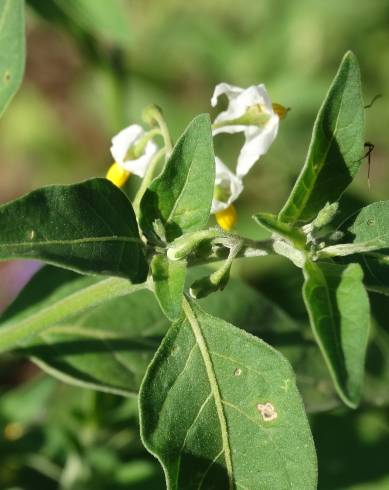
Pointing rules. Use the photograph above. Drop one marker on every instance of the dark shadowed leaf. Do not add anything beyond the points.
(88, 227)
(338, 308)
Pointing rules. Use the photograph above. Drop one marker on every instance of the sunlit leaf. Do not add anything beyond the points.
(336, 150)
(180, 198)
(220, 409)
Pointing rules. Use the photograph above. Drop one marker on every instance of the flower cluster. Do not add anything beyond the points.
(249, 111)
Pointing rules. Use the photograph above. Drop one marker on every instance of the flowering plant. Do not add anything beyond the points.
(219, 407)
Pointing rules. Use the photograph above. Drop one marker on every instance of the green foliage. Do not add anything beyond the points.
(219, 407)
(12, 57)
(336, 150)
(338, 308)
(371, 226)
(169, 281)
(88, 227)
(180, 198)
(238, 418)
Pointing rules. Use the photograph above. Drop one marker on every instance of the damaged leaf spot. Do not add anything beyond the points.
(238, 372)
(267, 411)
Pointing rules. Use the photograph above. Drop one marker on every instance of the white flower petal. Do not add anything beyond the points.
(124, 140)
(258, 141)
(225, 88)
(239, 102)
(122, 143)
(139, 166)
(226, 179)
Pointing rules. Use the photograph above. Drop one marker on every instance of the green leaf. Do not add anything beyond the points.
(88, 227)
(220, 409)
(52, 296)
(371, 226)
(271, 223)
(338, 308)
(12, 49)
(169, 280)
(336, 150)
(376, 272)
(181, 197)
(368, 232)
(106, 348)
(102, 322)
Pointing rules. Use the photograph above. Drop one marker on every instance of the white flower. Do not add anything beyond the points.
(249, 111)
(133, 150)
(227, 187)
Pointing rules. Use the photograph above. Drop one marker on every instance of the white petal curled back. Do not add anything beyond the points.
(122, 144)
(258, 137)
(257, 142)
(239, 101)
(229, 184)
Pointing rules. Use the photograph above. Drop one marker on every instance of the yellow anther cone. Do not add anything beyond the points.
(227, 218)
(117, 175)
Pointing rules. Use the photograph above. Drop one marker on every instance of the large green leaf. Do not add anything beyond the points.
(180, 198)
(169, 280)
(88, 227)
(220, 409)
(336, 149)
(338, 308)
(12, 49)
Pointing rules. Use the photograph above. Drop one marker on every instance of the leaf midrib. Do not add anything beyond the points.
(13, 331)
(197, 332)
(338, 350)
(322, 163)
(179, 197)
(75, 241)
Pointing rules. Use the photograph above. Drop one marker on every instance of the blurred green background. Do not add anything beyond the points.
(92, 65)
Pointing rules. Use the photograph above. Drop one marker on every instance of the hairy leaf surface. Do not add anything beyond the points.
(220, 409)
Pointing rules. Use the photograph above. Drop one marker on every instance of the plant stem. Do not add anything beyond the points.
(165, 133)
(147, 179)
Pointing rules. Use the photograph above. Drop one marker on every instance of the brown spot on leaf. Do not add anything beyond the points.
(238, 372)
(267, 411)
